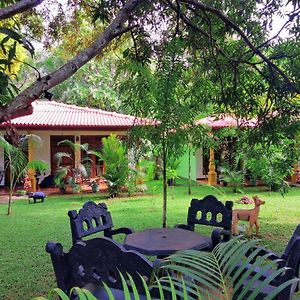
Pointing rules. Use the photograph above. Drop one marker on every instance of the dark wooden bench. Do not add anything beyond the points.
(210, 211)
(91, 263)
(93, 218)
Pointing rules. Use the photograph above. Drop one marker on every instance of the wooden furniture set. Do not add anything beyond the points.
(92, 262)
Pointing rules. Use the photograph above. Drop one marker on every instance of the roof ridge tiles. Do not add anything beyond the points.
(47, 114)
(84, 108)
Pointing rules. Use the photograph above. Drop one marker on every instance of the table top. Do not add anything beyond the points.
(165, 241)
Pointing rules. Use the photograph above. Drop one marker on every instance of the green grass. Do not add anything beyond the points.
(26, 269)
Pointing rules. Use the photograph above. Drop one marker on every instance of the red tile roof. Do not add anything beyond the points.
(222, 121)
(51, 114)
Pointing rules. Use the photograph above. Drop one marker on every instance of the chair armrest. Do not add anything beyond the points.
(122, 230)
(220, 235)
(184, 226)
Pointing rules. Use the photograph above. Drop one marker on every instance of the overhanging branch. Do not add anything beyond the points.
(231, 24)
(20, 104)
(17, 8)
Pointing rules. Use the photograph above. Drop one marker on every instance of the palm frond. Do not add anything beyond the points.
(58, 157)
(67, 143)
(38, 165)
(221, 272)
(34, 139)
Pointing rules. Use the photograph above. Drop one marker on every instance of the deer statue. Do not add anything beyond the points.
(250, 215)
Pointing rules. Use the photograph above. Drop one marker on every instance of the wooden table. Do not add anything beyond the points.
(165, 241)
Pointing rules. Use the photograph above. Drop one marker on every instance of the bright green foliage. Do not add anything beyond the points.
(235, 178)
(116, 164)
(91, 86)
(172, 169)
(272, 163)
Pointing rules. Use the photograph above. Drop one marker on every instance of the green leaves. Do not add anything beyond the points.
(66, 172)
(219, 274)
(12, 34)
(116, 163)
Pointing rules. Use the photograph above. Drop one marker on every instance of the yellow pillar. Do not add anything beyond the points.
(31, 172)
(77, 151)
(212, 175)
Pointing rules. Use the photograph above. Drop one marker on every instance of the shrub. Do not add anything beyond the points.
(116, 164)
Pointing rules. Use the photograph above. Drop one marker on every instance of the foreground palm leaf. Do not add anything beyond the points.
(201, 275)
(219, 274)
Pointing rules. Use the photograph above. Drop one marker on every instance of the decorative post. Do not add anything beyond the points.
(31, 172)
(77, 151)
(212, 175)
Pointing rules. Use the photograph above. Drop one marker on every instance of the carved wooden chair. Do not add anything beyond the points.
(91, 263)
(210, 211)
(93, 218)
(290, 259)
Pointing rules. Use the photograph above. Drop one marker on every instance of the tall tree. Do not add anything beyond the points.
(166, 98)
(233, 49)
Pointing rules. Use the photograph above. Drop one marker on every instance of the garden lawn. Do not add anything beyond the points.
(26, 269)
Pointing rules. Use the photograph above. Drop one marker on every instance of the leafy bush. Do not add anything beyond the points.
(271, 164)
(234, 178)
(148, 168)
(172, 170)
(116, 163)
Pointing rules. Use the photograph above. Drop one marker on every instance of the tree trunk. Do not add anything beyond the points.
(190, 180)
(18, 8)
(164, 224)
(9, 208)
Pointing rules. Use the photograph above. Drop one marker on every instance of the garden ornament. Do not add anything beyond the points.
(250, 215)
(35, 196)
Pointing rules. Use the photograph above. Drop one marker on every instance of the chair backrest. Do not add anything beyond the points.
(96, 261)
(210, 211)
(293, 259)
(294, 236)
(291, 253)
(90, 219)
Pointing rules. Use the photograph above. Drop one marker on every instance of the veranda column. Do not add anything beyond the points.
(77, 151)
(31, 172)
(212, 175)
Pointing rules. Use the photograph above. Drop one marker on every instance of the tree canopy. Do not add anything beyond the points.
(227, 44)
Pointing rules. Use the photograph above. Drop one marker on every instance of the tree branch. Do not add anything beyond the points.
(19, 106)
(235, 27)
(18, 7)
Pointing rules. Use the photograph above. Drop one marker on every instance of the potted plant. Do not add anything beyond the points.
(70, 175)
(95, 187)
